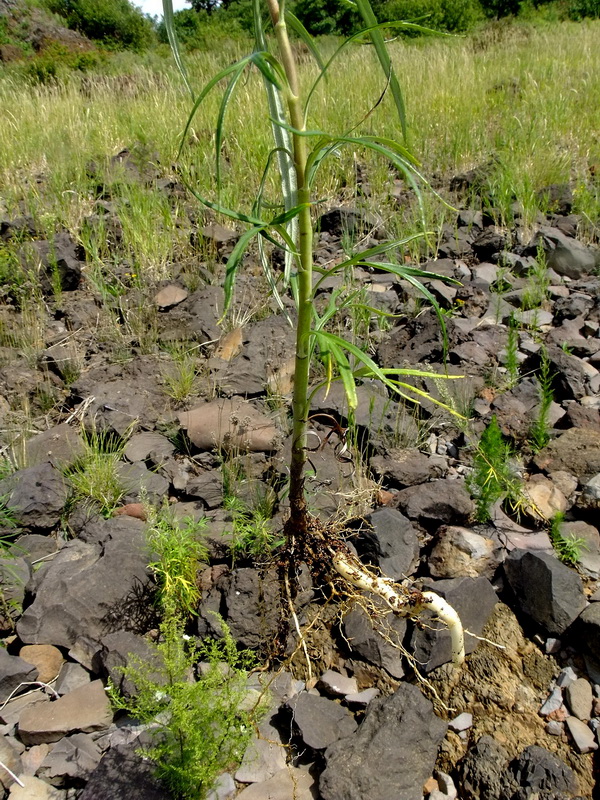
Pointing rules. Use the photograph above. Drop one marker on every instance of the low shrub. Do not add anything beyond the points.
(116, 23)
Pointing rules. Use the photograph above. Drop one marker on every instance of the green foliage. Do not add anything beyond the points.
(199, 726)
(568, 548)
(493, 475)
(580, 9)
(511, 361)
(180, 376)
(252, 535)
(95, 476)
(453, 16)
(199, 30)
(177, 548)
(117, 24)
(535, 291)
(501, 8)
(539, 434)
(55, 62)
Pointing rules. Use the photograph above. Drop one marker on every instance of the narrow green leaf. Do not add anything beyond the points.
(366, 12)
(286, 216)
(342, 364)
(233, 263)
(294, 23)
(237, 215)
(205, 91)
(269, 65)
(172, 36)
(221, 119)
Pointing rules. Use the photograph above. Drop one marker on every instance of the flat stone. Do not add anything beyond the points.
(362, 699)
(13, 671)
(121, 769)
(566, 677)
(61, 445)
(579, 698)
(85, 709)
(47, 658)
(336, 684)
(230, 424)
(365, 637)
(437, 501)
(264, 757)
(142, 445)
(553, 702)
(460, 552)
(577, 451)
(170, 296)
(224, 788)
(34, 789)
(544, 499)
(320, 721)
(9, 756)
(583, 737)
(287, 784)
(71, 677)
(462, 722)
(74, 757)
(36, 495)
(547, 591)
(366, 765)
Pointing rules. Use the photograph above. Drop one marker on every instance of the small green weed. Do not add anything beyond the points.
(536, 288)
(94, 476)
(198, 726)
(493, 475)
(252, 535)
(568, 548)
(539, 434)
(178, 548)
(180, 376)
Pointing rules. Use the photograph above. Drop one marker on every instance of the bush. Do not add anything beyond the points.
(453, 16)
(579, 9)
(198, 30)
(115, 23)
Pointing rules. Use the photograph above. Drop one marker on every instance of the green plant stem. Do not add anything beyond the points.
(305, 275)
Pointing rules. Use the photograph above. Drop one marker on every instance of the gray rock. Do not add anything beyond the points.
(408, 467)
(120, 770)
(61, 445)
(140, 483)
(72, 758)
(552, 703)
(336, 684)
(564, 255)
(579, 697)
(483, 769)
(13, 671)
(208, 487)
(321, 721)
(264, 756)
(474, 600)
(461, 552)
(461, 723)
(362, 699)
(71, 677)
(576, 451)
(120, 649)
(364, 637)
(583, 736)
(367, 764)
(545, 589)
(85, 709)
(437, 501)
(537, 770)
(391, 543)
(10, 757)
(90, 591)
(224, 788)
(286, 784)
(587, 630)
(35, 789)
(148, 444)
(15, 572)
(36, 495)
(230, 424)
(566, 677)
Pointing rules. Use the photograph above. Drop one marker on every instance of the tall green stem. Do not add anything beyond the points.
(305, 280)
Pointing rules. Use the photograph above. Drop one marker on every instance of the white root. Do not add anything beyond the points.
(404, 604)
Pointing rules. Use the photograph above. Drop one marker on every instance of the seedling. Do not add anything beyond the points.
(539, 431)
(568, 548)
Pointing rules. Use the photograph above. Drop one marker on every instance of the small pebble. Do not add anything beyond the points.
(362, 698)
(567, 676)
(337, 684)
(446, 785)
(461, 723)
(552, 646)
(553, 703)
(554, 728)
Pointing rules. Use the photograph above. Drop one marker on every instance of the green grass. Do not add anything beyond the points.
(94, 476)
(568, 548)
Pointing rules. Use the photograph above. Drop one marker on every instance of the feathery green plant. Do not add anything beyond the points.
(493, 475)
(568, 548)
(511, 361)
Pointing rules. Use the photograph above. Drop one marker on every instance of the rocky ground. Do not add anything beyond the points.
(520, 720)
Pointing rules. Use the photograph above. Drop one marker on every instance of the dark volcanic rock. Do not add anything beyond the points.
(120, 770)
(321, 721)
(483, 770)
(408, 467)
(437, 501)
(564, 255)
(368, 764)
(576, 451)
(365, 637)
(36, 495)
(390, 542)
(546, 590)
(537, 770)
(56, 261)
(587, 627)
(13, 671)
(90, 590)
(473, 599)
